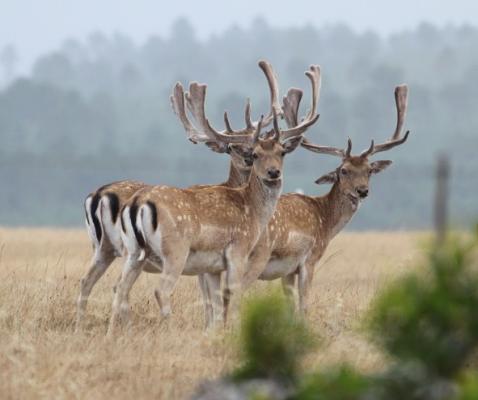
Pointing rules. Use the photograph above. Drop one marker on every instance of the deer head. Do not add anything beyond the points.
(241, 145)
(353, 174)
(268, 150)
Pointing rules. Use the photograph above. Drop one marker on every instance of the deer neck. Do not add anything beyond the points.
(336, 210)
(261, 198)
(236, 177)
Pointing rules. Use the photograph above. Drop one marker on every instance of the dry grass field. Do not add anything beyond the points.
(41, 357)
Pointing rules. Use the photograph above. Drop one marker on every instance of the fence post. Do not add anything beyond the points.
(441, 198)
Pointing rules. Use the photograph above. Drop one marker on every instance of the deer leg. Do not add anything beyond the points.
(306, 273)
(120, 310)
(174, 259)
(215, 297)
(206, 296)
(235, 266)
(256, 263)
(102, 259)
(288, 283)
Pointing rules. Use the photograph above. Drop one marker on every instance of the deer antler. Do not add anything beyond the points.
(401, 98)
(178, 103)
(333, 151)
(195, 101)
(274, 91)
(401, 103)
(291, 104)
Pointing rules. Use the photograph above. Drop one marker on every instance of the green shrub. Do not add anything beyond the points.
(273, 340)
(432, 320)
(341, 383)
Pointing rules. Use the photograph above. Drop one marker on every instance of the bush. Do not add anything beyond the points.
(432, 321)
(272, 340)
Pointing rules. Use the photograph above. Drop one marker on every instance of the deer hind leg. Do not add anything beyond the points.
(288, 286)
(120, 309)
(173, 255)
(213, 284)
(149, 266)
(102, 259)
(206, 297)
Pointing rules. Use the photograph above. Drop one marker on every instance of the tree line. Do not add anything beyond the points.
(97, 110)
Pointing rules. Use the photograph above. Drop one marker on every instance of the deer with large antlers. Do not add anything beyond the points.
(302, 226)
(103, 206)
(207, 230)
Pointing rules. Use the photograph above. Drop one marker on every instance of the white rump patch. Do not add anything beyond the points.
(144, 223)
(111, 230)
(90, 227)
(129, 239)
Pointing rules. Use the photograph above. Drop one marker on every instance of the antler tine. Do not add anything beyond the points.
(348, 151)
(257, 133)
(401, 102)
(177, 102)
(227, 123)
(290, 106)
(274, 91)
(314, 75)
(299, 129)
(369, 151)
(247, 115)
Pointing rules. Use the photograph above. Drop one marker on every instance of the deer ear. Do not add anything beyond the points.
(331, 177)
(379, 166)
(291, 144)
(217, 147)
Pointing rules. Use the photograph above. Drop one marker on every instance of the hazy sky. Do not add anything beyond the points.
(35, 26)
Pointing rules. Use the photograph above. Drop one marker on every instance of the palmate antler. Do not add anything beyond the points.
(401, 103)
(291, 103)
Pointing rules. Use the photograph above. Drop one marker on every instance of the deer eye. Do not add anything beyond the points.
(283, 153)
(343, 171)
(255, 156)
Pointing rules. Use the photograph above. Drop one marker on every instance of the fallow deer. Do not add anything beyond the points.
(302, 226)
(102, 207)
(195, 231)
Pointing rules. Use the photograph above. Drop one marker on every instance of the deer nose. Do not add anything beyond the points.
(362, 192)
(273, 173)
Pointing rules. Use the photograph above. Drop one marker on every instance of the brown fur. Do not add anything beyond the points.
(225, 222)
(303, 226)
(104, 253)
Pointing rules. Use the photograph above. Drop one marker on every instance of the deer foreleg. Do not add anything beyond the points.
(235, 267)
(306, 274)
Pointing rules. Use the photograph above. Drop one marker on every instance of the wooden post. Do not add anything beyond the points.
(441, 198)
